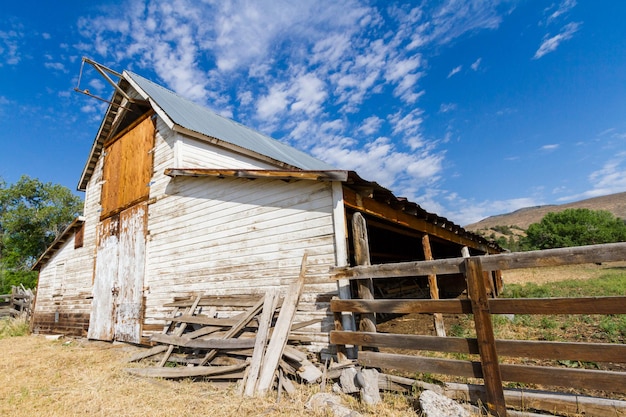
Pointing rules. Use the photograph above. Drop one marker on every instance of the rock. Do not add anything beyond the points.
(331, 402)
(368, 381)
(436, 405)
(347, 380)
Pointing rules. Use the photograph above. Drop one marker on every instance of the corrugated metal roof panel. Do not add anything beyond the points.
(200, 119)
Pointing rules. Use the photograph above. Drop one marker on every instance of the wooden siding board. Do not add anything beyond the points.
(199, 154)
(239, 235)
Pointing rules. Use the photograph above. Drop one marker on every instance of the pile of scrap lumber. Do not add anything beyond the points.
(251, 347)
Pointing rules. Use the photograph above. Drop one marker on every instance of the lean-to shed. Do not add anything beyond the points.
(180, 201)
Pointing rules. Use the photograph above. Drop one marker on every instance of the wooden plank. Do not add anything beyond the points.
(155, 350)
(610, 252)
(233, 331)
(230, 343)
(179, 331)
(420, 364)
(217, 301)
(484, 336)
(334, 175)
(588, 352)
(402, 306)
(580, 305)
(401, 341)
(185, 372)
(269, 306)
(208, 321)
(400, 269)
(365, 287)
(306, 370)
(440, 328)
(279, 336)
(566, 377)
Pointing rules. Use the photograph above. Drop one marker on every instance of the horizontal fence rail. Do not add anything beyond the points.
(484, 345)
(582, 305)
(609, 252)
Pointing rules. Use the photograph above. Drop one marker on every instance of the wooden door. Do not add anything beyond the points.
(130, 273)
(105, 279)
(117, 304)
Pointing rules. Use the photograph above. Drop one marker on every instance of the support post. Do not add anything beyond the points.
(484, 336)
(362, 257)
(433, 287)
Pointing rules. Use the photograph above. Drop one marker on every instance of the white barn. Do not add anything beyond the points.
(181, 201)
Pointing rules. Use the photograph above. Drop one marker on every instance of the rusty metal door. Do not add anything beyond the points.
(117, 304)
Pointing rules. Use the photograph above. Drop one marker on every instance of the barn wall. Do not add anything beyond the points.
(71, 309)
(239, 236)
(195, 153)
(64, 291)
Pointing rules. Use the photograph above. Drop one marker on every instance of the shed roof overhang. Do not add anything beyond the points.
(367, 197)
(58, 242)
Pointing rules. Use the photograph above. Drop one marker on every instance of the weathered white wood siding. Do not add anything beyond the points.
(237, 236)
(195, 153)
(64, 291)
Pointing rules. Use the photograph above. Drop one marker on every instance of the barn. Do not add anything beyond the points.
(181, 201)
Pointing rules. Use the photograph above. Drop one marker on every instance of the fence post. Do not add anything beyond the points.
(362, 257)
(432, 286)
(484, 335)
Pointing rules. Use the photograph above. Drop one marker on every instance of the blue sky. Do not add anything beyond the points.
(469, 108)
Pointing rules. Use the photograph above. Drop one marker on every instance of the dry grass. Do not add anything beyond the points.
(72, 377)
(560, 273)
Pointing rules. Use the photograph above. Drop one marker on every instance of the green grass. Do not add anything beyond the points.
(598, 328)
(608, 284)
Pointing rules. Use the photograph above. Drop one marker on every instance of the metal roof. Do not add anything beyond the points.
(197, 118)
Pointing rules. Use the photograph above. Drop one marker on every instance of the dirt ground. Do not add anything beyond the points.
(67, 377)
(76, 377)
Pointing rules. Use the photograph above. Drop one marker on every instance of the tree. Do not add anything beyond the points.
(32, 215)
(575, 227)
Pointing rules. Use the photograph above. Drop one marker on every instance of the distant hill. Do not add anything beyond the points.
(522, 218)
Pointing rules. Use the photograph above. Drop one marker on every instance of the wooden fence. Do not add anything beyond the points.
(17, 304)
(490, 369)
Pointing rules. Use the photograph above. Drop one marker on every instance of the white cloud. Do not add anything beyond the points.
(476, 64)
(455, 70)
(550, 44)
(550, 147)
(371, 125)
(447, 107)
(609, 179)
(58, 66)
(469, 211)
(273, 103)
(564, 7)
(308, 72)
(10, 42)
